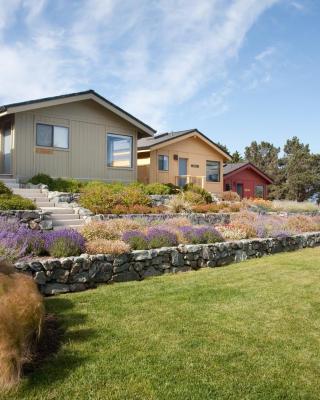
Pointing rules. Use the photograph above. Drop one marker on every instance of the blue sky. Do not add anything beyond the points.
(238, 70)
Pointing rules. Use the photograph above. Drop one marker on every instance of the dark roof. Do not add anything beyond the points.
(149, 142)
(64, 96)
(230, 168)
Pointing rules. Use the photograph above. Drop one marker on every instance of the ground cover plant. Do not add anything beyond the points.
(10, 201)
(281, 206)
(250, 332)
(21, 316)
(18, 241)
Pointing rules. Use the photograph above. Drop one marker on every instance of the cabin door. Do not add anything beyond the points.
(6, 150)
(183, 170)
(240, 190)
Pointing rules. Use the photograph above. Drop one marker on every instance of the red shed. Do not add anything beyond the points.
(246, 179)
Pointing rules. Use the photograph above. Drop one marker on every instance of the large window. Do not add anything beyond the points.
(259, 191)
(52, 136)
(163, 163)
(213, 171)
(119, 151)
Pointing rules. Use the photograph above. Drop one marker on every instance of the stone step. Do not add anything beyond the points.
(62, 217)
(29, 192)
(68, 222)
(42, 204)
(36, 198)
(75, 227)
(12, 185)
(56, 210)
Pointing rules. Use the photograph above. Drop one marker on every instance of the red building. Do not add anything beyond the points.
(246, 179)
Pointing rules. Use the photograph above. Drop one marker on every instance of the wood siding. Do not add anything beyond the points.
(196, 151)
(249, 179)
(88, 124)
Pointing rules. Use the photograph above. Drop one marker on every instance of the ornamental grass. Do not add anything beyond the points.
(21, 316)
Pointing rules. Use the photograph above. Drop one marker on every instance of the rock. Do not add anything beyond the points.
(151, 271)
(55, 288)
(81, 277)
(126, 276)
(40, 278)
(60, 275)
(77, 287)
(176, 258)
(35, 266)
(121, 268)
(46, 224)
(140, 255)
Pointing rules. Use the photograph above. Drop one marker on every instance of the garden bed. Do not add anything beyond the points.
(72, 274)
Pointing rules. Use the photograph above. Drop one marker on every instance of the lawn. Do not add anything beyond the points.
(247, 331)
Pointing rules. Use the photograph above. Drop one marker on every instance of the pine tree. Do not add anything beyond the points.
(265, 156)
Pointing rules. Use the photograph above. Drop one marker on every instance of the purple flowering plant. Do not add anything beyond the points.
(201, 234)
(64, 243)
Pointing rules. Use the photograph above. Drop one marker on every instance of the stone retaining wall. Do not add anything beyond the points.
(34, 219)
(194, 218)
(74, 274)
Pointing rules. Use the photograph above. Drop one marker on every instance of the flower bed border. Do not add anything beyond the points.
(75, 274)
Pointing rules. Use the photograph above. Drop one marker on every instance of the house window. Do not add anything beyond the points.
(228, 187)
(163, 163)
(213, 171)
(259, 191)
(52, 136)
(119, 151)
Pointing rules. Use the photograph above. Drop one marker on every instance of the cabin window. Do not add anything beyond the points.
(52, 136)
(163, 163)
(228, 187)
(119, 151)
(259, 191)
(213, 171)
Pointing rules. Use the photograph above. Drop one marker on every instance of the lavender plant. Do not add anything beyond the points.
(201, 234)
(64, 243)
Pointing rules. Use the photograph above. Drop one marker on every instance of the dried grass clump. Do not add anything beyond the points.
(110, 230)
(178, 204)
(21, 317)
(104, 246)
(230, 196)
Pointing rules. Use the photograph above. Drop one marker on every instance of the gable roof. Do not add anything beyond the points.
(236, 167)
(71, 97)
(163, 138)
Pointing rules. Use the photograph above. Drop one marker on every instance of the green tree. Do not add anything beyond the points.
(236, 157)
(265, 156)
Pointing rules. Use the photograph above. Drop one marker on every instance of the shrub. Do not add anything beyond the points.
(43, 179)
(64, 243)
(104, 246)
(110, 230)
(136, 239)
(302, 223)
(232, 232)
(136, 209)
(208, 208)
(193, 198)
(230, 196)
(174, 189)
(161, 237)
(67, 185)
(102, 198)
(294, 206)
(201, 234)
(4, 190)
(21, 316)
(15, 202)
(157, 188)
(259, 204)
(179, 204)
(206, 196)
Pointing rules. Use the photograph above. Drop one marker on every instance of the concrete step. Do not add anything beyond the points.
(29, 192)
(63, 217)
(42, 204)
(57, 210)
(68, 222)
(12, 185)
(36, 199)
(75, 227)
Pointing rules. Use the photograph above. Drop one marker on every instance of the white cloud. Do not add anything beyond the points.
(147, 56)
(298, 6)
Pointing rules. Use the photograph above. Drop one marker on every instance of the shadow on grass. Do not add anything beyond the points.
(53, 360)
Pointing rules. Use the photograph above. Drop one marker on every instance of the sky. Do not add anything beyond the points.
(237, 70)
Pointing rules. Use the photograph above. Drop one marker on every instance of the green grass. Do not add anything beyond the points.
(247, 331)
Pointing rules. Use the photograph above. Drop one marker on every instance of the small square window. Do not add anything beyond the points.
(44, 135)
(259, 191)
(119, 151)
(61, 137)
(163, 163)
